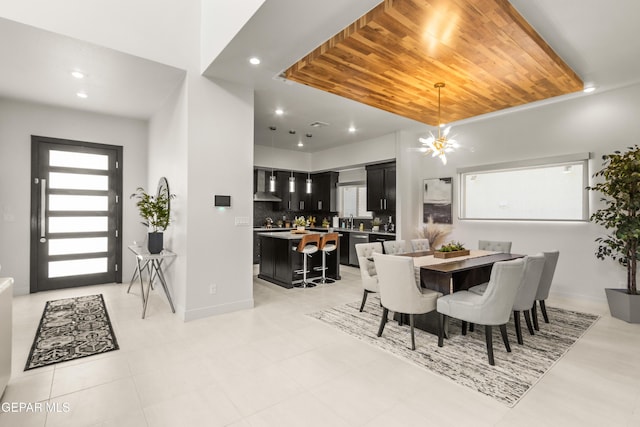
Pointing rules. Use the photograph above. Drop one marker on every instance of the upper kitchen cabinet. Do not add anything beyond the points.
(295, 201)
(381, 187)
(323, 192)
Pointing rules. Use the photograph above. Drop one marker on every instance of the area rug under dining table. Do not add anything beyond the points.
(463, 359)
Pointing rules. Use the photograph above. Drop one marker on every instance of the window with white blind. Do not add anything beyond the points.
(551, 189)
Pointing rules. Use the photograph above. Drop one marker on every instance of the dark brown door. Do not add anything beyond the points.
(76, 212)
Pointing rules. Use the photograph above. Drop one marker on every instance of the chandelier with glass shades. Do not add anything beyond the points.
(441, 145)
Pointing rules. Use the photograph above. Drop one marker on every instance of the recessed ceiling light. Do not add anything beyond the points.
(77, 74)
(279, 112)
(589, 89)
(82, 95)
(352, 129)
(254, 61)
(300, 144)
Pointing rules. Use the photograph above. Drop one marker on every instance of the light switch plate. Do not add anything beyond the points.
(242, 220)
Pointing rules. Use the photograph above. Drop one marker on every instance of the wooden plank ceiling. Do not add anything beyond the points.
(488, 56)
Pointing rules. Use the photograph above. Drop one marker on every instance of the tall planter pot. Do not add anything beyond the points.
(156, 243)
(623, 306)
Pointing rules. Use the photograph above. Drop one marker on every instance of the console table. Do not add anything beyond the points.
(152, 263)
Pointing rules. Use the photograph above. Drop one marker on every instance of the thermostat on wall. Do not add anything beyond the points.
(221, 201)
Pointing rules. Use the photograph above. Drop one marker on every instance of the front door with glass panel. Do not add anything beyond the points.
(76, 213)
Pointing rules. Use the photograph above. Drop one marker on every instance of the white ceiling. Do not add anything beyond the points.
(597, 38)
(37, 66)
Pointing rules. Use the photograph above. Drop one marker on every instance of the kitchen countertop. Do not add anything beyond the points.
(321, 229)
(282, 234)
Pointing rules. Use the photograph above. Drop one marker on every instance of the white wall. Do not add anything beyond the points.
(167, 156)
(374, 150)
(597, 123)
(277, 158)
(221, 21)
(220, 161)
(18, 121)
(212, 124)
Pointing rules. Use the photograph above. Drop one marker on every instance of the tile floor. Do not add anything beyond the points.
(274, 366)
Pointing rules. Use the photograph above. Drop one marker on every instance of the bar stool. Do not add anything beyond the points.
(328, 243)
(308, 245)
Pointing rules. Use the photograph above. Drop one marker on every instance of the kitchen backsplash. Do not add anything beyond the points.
(264, 210)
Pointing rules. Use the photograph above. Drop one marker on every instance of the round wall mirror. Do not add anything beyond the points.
(163, 191)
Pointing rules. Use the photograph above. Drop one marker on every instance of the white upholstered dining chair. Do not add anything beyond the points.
(490, 309)
(395, 247)
(551, 260)
(533, 266)
(418, 245)
(368, 272)
(490, 245)
(400, 292)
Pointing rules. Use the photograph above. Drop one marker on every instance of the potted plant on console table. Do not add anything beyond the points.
(157, 214)
(621, 215)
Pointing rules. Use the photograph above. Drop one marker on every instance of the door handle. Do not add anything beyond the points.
(385, 203)
(381, 204)
(319, 205)
(43, 208)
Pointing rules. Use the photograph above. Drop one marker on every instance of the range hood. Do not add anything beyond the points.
(262, 193)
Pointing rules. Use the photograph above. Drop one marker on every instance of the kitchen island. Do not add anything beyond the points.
(282, 265)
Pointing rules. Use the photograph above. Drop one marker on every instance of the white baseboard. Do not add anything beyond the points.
(200, 313)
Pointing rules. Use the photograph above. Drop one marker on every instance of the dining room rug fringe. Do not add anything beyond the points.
(463, 359)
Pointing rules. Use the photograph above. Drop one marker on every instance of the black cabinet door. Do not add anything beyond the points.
(282, 190)
(390, 188)
(303, 199)
(344, 248)
(267, 257)
(324, 192)
(375, 189)
(381, 187)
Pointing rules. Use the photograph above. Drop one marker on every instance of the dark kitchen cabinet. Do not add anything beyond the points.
(323, 192)
(344, 248)
(296, 201)
(381, 187)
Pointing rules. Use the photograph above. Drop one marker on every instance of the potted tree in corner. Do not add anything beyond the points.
(621, 215)
(156, 212)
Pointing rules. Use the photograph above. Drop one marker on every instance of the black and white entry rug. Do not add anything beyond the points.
(463, 359)
(72, 328)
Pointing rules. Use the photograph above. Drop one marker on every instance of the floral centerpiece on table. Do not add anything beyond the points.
(452, 246)
(450, 250)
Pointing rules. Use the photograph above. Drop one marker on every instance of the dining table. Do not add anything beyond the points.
(448, 275)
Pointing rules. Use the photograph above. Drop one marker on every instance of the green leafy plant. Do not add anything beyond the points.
(325, 222)
(621, 211)
(377, 222)
(452, 247)
(300, 221)
(154, 209)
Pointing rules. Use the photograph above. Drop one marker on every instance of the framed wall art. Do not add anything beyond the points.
(437, 200)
